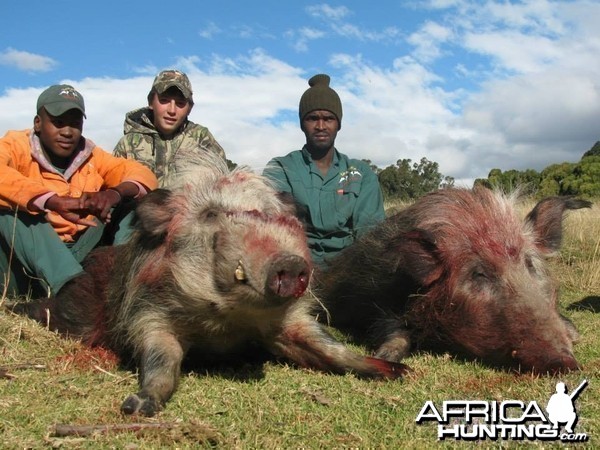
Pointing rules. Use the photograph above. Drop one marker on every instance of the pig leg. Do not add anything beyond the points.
(77, 311)
(395, 347)
(309, 345)
(160, 366)
(390, 338)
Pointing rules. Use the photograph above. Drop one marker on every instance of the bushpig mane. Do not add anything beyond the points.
(206, 182)
(203, 166)
(281, 219)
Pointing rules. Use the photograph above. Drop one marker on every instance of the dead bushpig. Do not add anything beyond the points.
(215, 263)
(459, 270)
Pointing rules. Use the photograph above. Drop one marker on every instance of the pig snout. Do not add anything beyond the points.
(562, 364)
(287, 276)
(551, 364)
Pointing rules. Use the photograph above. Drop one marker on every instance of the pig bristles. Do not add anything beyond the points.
(321, 305)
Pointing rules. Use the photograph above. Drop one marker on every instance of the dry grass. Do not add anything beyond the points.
(394, 206)
(581, 251)
(46, 380)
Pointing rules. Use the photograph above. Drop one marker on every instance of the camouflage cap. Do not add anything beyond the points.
(60, 98)
(169, 78)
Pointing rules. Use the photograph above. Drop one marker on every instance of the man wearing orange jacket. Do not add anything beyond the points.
(60, 196)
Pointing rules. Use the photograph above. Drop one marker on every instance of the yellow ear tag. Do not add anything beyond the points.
(240, 273)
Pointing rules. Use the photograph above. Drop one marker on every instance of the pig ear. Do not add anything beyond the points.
(154, 212)
(286, 198)
(417, 255)
(546, 220)
(299, 211)
(290, 201)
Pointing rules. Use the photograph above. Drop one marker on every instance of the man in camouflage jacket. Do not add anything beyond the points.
(160, 135)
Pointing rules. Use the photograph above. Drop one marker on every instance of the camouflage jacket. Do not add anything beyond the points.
(165, 157)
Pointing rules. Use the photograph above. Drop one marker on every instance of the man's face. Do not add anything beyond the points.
(170, 111)
(320, 128)
(60, 135)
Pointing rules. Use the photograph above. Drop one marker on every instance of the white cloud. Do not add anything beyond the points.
(303, 36)
(27, 62)
(539, 16)
(513, 51)
(245, 31)
(146, 70)
(328, 12)
(332, 18)
(351, 31)
(209, 30)
(428, 39)
(17, 108)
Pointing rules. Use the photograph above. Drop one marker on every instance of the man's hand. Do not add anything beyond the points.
(100, 203)
(71, 209)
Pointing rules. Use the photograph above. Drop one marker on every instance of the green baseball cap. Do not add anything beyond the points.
(169, 78)
(60, 98)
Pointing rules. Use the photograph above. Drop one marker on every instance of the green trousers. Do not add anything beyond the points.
(34, 261)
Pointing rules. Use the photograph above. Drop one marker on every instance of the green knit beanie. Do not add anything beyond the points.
(320, 96)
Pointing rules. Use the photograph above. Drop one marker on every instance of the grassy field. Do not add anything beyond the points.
(57, 393)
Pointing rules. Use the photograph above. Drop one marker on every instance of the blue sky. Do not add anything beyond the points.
(472, 85)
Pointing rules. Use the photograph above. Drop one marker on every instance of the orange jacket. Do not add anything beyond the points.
(24, 176)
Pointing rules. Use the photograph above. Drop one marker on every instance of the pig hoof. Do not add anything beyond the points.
(136, 405)
(388, 369)
(400, 370)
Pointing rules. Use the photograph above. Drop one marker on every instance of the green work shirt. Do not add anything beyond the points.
(336, 208)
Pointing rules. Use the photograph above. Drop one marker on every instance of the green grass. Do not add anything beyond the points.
(48, 381)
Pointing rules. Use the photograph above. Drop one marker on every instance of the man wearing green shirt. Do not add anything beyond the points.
(338, 198)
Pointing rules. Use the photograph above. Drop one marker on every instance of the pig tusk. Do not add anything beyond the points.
(240, 273)
(514, 354)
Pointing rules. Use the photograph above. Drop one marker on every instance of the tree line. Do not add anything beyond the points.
(580, 178)
(408, 180)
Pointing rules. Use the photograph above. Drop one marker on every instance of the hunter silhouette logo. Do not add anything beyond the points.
(561, 407)
(472, 420)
